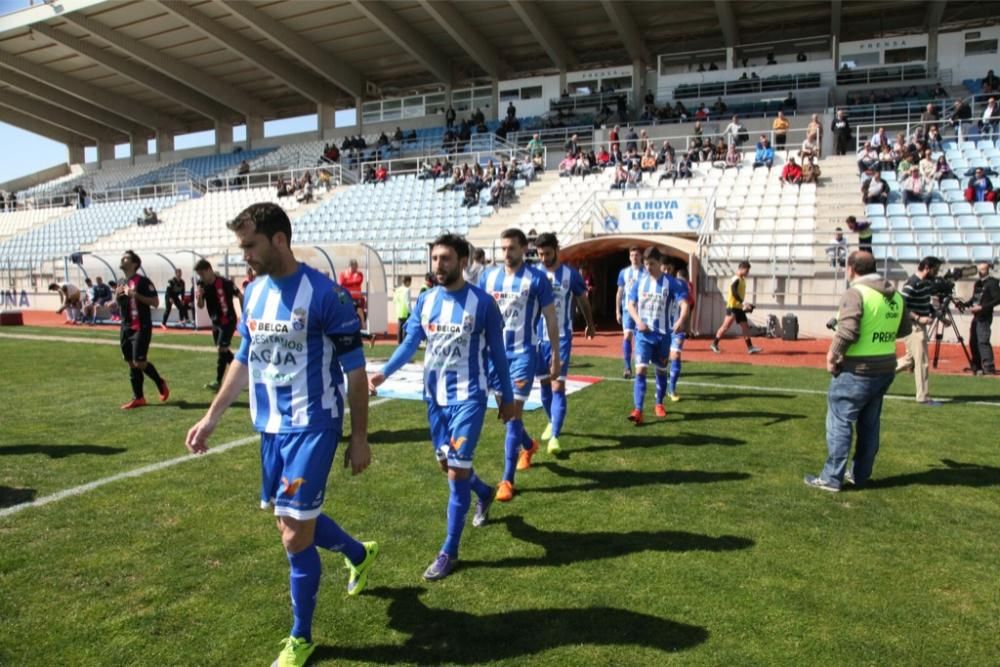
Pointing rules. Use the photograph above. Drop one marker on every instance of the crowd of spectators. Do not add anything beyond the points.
(300, 188)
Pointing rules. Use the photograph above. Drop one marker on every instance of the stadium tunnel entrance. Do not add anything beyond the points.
(604, 256)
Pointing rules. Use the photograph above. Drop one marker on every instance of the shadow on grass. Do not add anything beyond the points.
(10, 496)
(59, 451)
(566, 548)
(644, 442)
(436, 636)
(403, 436)
(731, 396)
(955, 474)
(626, 479)
(188, 405)
(714, 374)
(772, 417)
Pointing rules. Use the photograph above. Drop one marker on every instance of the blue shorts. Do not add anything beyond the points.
(677, 341)
(455, 431)
(294, 468)
(522, 374)
(628, 324)
(652, 348)
(545, 357)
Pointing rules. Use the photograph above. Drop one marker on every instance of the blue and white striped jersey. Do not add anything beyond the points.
(653, 301)
(627, 278)
(566, 283)
(462, 329)
(289, 329)
(678, 294)
(521, 298)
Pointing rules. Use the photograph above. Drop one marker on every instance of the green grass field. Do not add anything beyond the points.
(691, 540)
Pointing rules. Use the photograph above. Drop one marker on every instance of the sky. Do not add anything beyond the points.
(25, 153)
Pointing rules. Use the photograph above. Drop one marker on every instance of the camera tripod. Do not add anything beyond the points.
(937, 327)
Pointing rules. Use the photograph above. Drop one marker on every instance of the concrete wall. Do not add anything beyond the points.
(24, 182)
(951, 54)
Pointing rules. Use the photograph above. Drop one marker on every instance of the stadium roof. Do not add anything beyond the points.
(82, 71)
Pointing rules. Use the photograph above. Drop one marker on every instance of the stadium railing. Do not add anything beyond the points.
(270, 178)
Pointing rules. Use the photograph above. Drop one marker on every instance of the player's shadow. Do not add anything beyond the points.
(9, 496)
(568, 547)
(400, 436)
(437, 636)
(772, 417)
(955, 473)
(716, 397)
(620, 442)
(713, 374)
(59, 451)
(203, 405)
(626, 479)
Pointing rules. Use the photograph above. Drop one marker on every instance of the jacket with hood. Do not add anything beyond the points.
(849, 328)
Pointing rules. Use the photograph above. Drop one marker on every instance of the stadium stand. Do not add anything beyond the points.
(18, 222)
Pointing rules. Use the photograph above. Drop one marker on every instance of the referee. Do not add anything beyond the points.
(917, 294)
(136, 296)
(215, 294)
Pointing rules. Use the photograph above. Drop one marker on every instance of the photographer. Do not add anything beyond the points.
(917, 295)
(861, 359)
(985, 296)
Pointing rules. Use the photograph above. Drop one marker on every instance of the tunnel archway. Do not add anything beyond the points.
(604, 256)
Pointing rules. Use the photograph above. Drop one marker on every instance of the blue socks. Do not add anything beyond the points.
(639, 392)
(661, 387)
(627, 353)
(675, 372)
(304, 582)
(558, 411)
(332, 537)
(546, 388)
(525, 438)
(511, 448)
(458, 507)
(483, 490)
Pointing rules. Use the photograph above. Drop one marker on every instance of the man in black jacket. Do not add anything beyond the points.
(985, 296)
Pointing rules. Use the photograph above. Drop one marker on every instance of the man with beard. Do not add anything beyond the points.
(463, 330)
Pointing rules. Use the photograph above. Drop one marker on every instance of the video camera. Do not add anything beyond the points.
(943, 287)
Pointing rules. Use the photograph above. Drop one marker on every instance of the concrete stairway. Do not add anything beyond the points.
(838, 194)
(488, 232)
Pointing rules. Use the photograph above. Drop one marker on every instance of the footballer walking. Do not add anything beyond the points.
(136, 297)
(215, 294)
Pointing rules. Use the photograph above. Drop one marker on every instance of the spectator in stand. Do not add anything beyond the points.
(511, 110)
(942, 170)
(684, 169)
(681, 111)
(634, 175)
(567, 165)
(800, 57)
(939, 92)
(620, 178)
(643, 141)
(780, 128)
(810, 170)
(815, 128)
(648, 162)
(613, 138)
(666, 153)
(915, 188)
(810, 147)
(603, 157)
(979, 187)
(282, 188)
(331, 154)
(990, 82)
(837, 249)
(929, 117)
(631, 140)
(927, 167)
(669, 170)
(381, 174)
(616, 156)
(791, 174)
(449, 117)
(867, 158)
(875, 191)
(790, 102)
(841, 129)
(536, 151)
(991, 117)
(369, 175)
(903, 167)
(732, 131)
(712, 67)
(572, 146)
(471, 194)
(719, 107)
(879, 139)
(701, 113)
(764, 155)
(243, 169)
(934, 139)
(960, 113)
(863, 229)
(886, 160)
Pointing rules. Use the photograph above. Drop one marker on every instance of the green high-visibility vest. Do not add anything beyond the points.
(880, 317)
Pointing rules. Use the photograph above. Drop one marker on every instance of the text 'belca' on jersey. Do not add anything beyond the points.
(566, 283)
(521, 297)
(289, 328)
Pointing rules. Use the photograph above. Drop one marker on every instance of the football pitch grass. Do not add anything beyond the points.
(689, 540)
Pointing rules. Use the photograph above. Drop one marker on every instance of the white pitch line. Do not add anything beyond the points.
(103, 341)
(138, 472)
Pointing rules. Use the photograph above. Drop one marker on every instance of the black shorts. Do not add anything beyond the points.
(739, 315)
(135, 344)
(222, 334)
